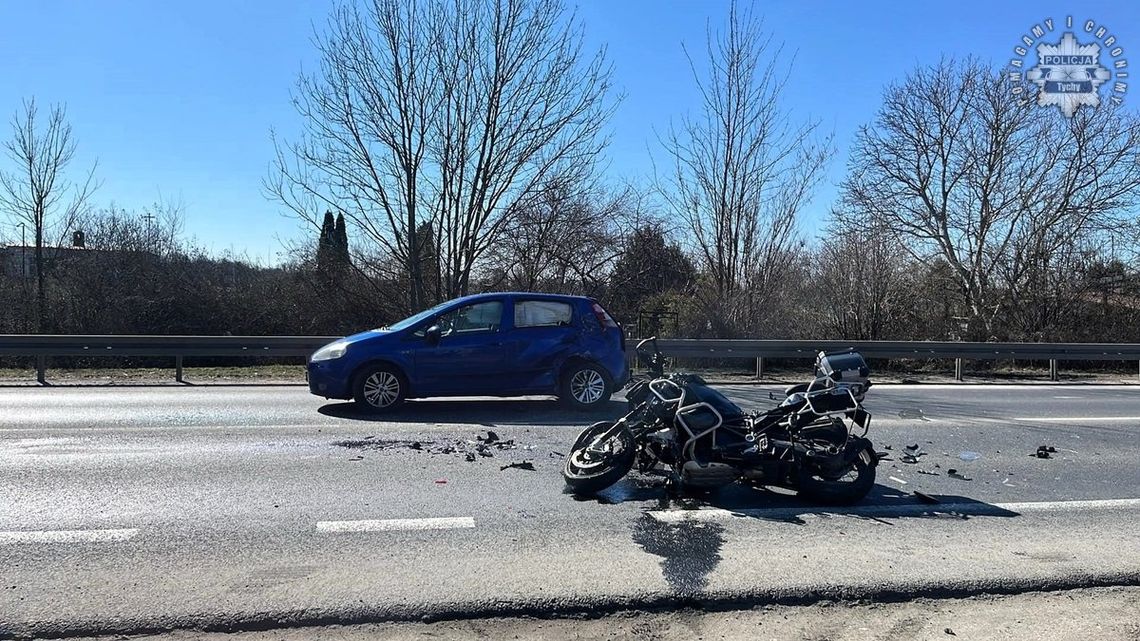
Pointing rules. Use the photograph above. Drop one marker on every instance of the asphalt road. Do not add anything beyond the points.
(149, 508)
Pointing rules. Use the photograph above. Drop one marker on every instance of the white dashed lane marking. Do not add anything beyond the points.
(396, 525)
(67, 536)
(981, 509)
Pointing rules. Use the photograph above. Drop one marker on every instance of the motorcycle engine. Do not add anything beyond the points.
(708, 474)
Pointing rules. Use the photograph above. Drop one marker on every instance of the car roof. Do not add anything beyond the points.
(530, 295)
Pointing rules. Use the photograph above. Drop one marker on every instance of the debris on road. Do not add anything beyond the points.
(1044, 451)
(416, 445)
(928, 472)
(558, 454)
(524, 465)
(490, 438)
(470, 456)
(950, 632)
(913, 448)
(897, 480)
(888, 447)
(969, 456)
(925, 498)
(952, 473)
(440, 481)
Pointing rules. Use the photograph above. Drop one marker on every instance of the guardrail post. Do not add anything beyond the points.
(759, 367)
(1053, 369)
(41, 369)
(178, 368)
(957, 369)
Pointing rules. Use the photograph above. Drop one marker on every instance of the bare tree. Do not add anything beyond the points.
(963, 170)
(448, 112)
(742, 170)
(37, 190)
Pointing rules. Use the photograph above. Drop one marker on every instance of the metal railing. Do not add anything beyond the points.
(761, 349)
(43, 347)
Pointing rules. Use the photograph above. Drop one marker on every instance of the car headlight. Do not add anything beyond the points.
(330, 352)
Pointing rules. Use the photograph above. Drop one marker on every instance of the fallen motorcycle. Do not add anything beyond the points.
(703, 440)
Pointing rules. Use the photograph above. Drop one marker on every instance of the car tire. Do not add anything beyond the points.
(585, 386)
(379, 388)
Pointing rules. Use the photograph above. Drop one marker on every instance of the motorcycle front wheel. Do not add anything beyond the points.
(592, 464)
(839, 487)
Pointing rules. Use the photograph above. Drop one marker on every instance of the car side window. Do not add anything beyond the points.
(469, 319)
(542, 313)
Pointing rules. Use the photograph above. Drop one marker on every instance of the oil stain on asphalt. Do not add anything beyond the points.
(689, 550)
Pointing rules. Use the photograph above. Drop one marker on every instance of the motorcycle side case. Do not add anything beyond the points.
(848, 367)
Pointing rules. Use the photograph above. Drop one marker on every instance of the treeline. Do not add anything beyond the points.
(141, 276)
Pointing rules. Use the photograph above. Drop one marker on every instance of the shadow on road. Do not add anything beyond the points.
(882, 503)
(479, 412)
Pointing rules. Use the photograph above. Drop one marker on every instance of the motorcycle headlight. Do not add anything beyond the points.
(330, 352)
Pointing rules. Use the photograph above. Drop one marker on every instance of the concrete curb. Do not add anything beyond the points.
(550, 609)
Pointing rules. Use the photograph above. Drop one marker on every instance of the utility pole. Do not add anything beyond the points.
(149, 218)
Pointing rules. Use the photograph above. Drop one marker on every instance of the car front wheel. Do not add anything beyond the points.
(379, 388)
(585, 386)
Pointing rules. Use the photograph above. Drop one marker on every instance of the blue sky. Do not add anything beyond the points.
(176, 99)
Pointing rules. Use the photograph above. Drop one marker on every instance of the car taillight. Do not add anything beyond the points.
(604, 318)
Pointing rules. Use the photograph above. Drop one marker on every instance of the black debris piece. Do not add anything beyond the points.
(950, 632)
(490, 438)
(470, 456)
(909, 458)
(416, 445)
(888, 447)
(523, 465)
(926, 498)
(558, 454)
(1045, 450)
(955, 475)
(951, 471)
(929, 473)
(913, 448)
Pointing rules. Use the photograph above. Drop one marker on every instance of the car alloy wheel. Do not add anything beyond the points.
(587, 386)
(381, 389)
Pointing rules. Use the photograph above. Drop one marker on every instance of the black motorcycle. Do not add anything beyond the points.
(704, 440)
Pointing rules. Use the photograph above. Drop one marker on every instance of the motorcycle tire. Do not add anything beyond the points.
(586, 475)
(821, 490)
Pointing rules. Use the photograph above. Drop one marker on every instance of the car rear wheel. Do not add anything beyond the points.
(585, 386)
(379, 388)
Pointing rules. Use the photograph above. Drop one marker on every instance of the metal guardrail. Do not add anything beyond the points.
(43, 347)
(761, 349)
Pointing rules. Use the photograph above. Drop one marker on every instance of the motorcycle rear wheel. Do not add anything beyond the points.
(827, 488)
(591, 466)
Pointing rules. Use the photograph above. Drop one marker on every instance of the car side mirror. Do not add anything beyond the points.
(433, 334)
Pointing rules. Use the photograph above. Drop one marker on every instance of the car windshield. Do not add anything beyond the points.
(412, 320)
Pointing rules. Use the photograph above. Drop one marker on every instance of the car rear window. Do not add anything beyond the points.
(542, 313)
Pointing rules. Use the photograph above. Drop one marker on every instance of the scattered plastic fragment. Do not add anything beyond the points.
(955, 475)
(969, 456)
(490, 438)
(558, 454)
(928, 473)
(888, 447)
(897, 480)
(441, 481)
(470, 456)
(925, 498)
(1044, 451)
(416, 445)
(913, 448)
(524, 465)
(950, 632)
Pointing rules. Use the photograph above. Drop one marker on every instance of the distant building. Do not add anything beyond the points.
(18, 261)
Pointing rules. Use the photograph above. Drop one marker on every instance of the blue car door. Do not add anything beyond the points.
(543, 332)
(469, 358)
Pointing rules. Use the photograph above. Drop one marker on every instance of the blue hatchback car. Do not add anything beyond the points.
(500, 344)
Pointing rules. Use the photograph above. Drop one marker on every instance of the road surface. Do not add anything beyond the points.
(151, 508)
